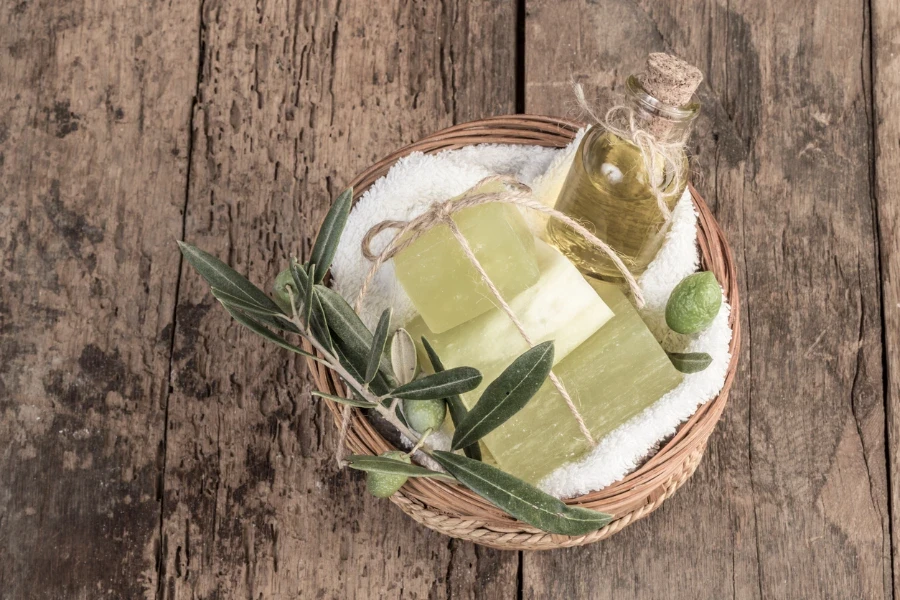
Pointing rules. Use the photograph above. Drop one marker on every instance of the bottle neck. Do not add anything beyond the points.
(668, 124)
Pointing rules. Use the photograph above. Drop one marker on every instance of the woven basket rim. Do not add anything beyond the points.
(458, 512)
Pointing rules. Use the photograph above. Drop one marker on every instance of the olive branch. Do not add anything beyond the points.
(380, 381)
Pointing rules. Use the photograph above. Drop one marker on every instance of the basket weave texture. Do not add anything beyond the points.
(454, 510)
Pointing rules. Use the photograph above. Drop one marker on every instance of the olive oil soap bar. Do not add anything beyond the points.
(442, 283)
(614, 375)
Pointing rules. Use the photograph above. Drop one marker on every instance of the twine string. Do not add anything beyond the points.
(454, 228)
(346, 417)
(441, 213)
(517, 194)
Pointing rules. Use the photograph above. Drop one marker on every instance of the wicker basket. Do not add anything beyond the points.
(458, 512)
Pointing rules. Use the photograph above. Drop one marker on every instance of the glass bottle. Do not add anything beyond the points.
(608, 188)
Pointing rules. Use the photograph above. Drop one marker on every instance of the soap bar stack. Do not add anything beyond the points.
(609, 362)
(561, 306)
(614, 375)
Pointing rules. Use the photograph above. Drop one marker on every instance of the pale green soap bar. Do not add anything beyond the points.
(445, 287)
(617, 373)
(561, 306)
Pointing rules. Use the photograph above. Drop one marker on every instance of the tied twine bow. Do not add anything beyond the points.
(440, 213)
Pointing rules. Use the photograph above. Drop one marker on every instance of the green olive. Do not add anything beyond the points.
(694, 303)
(384, 485)
(424, 414)
(282, 298)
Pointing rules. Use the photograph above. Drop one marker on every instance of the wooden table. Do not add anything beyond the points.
(149, 448)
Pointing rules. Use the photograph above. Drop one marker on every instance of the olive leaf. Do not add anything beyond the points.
(222, 277)
(690, 362)
(330, 235)
(301, 278)
(356, 363)
(344, 321)
(229, 282)
(440, 385)
(379, 339)
(506, 395)
(353, 367)
(318, 324)
(317, 318)
(354, 336)
(244, 305)
(523, 501)
(308, 297)
(342, 400)
(258, 328)
(458, 410)
(381, 464)
(404, 360)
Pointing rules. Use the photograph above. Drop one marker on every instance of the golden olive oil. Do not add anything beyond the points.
(608, 190)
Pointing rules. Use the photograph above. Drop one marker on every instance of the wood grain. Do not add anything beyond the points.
(784, 160)
(885, 19)
(149, 448)
(93, 161)
(294, 99)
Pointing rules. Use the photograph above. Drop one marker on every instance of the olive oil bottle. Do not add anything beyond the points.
(610, 187)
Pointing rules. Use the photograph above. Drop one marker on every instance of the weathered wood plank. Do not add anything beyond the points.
(94, 112)
(295, 98)
(790, 500)
(886, 101)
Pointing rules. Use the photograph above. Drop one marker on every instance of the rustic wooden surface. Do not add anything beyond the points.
(151, 449)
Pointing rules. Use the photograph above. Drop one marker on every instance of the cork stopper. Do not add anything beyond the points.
(670, 79)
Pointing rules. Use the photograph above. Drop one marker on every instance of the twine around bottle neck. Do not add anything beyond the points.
(659, 156)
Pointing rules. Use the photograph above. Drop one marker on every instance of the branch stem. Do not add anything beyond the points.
(363, 390)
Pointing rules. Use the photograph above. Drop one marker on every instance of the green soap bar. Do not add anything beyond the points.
(617, 373)
(561, 306)
(612, 376)
(445, 287)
